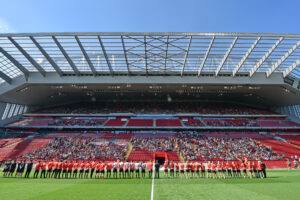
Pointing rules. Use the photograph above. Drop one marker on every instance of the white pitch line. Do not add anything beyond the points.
(152, 190)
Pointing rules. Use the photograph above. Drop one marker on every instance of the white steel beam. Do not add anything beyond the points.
(186, 56)
(15, 62)
(86, 56)
(46, 55)
(106, 56)
(263, 59)
(206, 55)
(146, 59)
(166, 56)
(291, 68)
(225, 56)
(5, 77)
(69, 60)
(236, 69)
(29, 58)
(125, 55)
(282, 59)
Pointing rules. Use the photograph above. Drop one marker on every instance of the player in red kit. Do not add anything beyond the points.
(197, 167)
(65, 168)
(49, 171)
(82, 165)
(166, 169)
(69, 168)
(44, 168)
(177, 169)
(37, 169)
(87, 169)
(93, 166)
(75, 169)
(108, 170)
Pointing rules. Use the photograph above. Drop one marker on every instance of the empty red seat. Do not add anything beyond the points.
(168, 122)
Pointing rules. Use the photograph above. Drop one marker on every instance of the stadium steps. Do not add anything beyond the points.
(10, 144)
(203, 122)
(181, 122)
(126, 122)
(128, 150)
(154, 123)
(180, 157)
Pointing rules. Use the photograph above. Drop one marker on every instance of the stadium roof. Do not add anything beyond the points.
(147, 53)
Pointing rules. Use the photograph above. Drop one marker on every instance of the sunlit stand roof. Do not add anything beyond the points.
(217, 54)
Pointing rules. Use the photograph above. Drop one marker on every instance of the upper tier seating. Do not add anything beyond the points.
(290, 123)
(115, 122)
(193, 122)
(168, 122)
(77, 122)
(142, 135)
(140, 122)
(156, 107)
(63, 134)
(270, 123)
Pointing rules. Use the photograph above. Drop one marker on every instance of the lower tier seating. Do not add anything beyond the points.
(18, 149)
(281, 147)
(294, 139)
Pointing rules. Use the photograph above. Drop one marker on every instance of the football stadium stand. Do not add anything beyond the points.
(182, 97)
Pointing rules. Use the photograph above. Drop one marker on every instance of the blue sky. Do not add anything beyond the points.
(263, 16)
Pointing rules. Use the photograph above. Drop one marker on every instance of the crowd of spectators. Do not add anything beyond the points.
(192, 146)
(77, 148)
(77, 122)
(198, 147)
(155, 107)
(154, 144)
(237, 122)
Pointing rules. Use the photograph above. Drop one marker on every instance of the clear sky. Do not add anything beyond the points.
(262, 16)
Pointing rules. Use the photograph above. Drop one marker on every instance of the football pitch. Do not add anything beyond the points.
(281, 184)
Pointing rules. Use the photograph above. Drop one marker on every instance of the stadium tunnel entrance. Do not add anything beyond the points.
(161, 157)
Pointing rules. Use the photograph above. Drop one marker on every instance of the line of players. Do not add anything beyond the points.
(92, 169)
(218, 169)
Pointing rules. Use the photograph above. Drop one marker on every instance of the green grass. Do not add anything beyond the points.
(281, 184)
